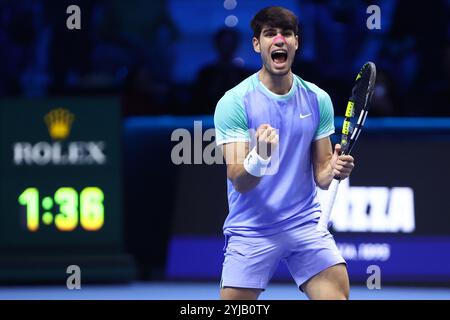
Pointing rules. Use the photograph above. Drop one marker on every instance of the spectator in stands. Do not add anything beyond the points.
(214, 79)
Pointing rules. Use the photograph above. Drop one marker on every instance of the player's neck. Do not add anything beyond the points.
(276, 84)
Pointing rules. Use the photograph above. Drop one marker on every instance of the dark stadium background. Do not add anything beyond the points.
(164, 64)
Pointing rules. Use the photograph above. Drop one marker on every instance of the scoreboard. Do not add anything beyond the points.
(60, 181)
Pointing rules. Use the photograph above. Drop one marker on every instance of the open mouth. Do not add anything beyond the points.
(279, 56)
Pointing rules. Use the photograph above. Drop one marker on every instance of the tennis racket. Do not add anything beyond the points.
(355, 116)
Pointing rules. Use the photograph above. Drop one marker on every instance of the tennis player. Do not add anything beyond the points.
(273, 203)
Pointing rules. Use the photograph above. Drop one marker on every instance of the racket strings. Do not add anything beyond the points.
(356, 112)
(360, 90)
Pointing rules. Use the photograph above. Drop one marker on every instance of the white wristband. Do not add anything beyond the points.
(255, 164)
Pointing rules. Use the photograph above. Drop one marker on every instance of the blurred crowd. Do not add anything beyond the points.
(128, 48)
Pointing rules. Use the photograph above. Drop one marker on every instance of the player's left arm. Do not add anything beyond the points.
(328, 164)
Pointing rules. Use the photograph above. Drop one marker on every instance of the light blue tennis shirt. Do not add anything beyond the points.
(287, 195)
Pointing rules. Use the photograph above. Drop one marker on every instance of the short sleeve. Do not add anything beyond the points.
(326, 112)
(230, 120)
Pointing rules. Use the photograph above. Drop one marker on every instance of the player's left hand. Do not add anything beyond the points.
(342, 164)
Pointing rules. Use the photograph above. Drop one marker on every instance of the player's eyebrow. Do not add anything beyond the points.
(269, 30)
(272, 29)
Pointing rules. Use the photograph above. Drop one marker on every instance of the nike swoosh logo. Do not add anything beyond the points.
(304, 116)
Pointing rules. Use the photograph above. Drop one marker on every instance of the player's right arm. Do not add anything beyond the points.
(235, 154)
(232, 133)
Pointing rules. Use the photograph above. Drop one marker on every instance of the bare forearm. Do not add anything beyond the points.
(324, 176)
(241, 179)
(245, 168)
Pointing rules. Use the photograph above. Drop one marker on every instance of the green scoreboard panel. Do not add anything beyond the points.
(60, 182)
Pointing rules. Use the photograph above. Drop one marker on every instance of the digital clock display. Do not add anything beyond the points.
(72, 209)
(60, 177)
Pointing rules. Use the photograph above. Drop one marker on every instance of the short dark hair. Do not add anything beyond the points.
(275, 17)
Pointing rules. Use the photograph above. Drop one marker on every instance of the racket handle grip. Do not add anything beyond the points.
(326, 209)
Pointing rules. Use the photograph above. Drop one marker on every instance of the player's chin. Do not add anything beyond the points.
(280, 69)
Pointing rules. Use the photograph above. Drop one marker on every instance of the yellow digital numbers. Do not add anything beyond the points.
(66, 210)
(67, 218)
(30, 199)
(92, 211)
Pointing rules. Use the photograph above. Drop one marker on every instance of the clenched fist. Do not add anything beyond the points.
(266, 140)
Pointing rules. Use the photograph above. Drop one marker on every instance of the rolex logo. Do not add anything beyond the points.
(59, 122)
